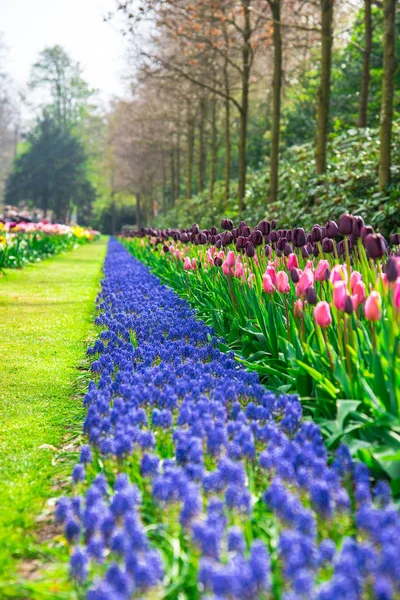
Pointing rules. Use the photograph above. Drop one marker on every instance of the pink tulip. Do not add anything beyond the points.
(298, 309)
(339, 294)
(187, 265)
(309, 265)
(359, 291)
(239, 272)
(270, 270)
(171, 248)
(355, 301)
(355, 277)
(339, 273)
(225, 269)
(268, 286)
(306, 280)
(292, 262)
(230, 259)
(322, 314)
(397, 293)
(282, 282)
(372, 307)
(194, 264)
(321, 269)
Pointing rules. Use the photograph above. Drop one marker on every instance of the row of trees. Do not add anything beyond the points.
(8, 120)
(220, 85)
(51, 171)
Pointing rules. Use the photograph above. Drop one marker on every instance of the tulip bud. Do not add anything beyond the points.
(227, 224)
(218, 261)
(256, 237)
(270, 270)
(315, 249)
(282, 282)
(268, 286)
(322, 314)
(397, 293)
(359, 291)
(166, 248)
(213, 239)
(355, 277)
(304, 252)
(391, 270)
(273, 236)
(294, 275)
(187, 265)
(311, 295)
(366, 230)
(316, 234)
(195, 229)
(306, 280)
(273, 224)
(230, 259)
(292, 262)
(298, 237)
(202, 238)
(372, 307)
(227, 238)
(345, 224)
(289, 235)
(246, 231)
(375, 245)
(287, 249)
(268, 251)
(348, 305)
(358, 224)
(213, 231)
(309, 248)
(184, 238)
(240, 242)
(327, 246)
(298, 309)
(395, 239)
(196, 240)
(218, 244)
(250, 251)
(339, 294)
(264, 227)
(321, 269)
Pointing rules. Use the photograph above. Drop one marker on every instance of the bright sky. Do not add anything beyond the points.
(28, 26)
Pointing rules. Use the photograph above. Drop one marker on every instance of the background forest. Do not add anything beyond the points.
(282, 108)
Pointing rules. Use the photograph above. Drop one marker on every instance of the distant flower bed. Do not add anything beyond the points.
(314, 313)
(21, 243)
(200, 483)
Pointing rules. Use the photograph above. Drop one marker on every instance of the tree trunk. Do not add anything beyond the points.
(227, 135)
(178, 166)
(213, 163)
(164, 186)
(389, 67)
(276, 100)
(113, 215)
(244, 104)
(138, 211)
(202, 146)
(365, 76)
(189, 157)
(324, 88)
(173, 190)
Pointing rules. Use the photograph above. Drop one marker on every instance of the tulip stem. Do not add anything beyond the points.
(346, 346)
(287, 317)
(328, 352)
(373, 332)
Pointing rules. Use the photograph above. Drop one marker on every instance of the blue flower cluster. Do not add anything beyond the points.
(190, 444)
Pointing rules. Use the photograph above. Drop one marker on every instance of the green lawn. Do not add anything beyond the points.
(46, 318)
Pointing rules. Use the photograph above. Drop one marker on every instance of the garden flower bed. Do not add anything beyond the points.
(199, 481)
(21, 243)
(316, 314)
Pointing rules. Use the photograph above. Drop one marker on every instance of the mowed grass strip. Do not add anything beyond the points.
(46, 316)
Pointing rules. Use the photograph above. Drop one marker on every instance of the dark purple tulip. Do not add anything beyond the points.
(327, 246)
(192, 237)
(279, 253)
(273, 224)
(316, 234)
(166, 248)
(202, 238)
(280, 243)
(311, 295)
(184, 238)
(332, 230)
(240, 242)
(304, 252)
(366, 230)
(358, 224)
(323, 232)
(213, 240)
(375, 245)
(395, 239)
(287, 249)
(308, 238)
(175, 237)
(294, 275)
(273, 236)
(213, 231)
(327, 275)
(264, 227)
(289, 235)
(346, 224)
(250, 250)
(268, 251)
(256, 237)
(227, 224)
(235, 234)
(309, 248)
(315, 250)
(195, 228)
(196, 240)
(218, 261)
(391, 270)
(218, 244)
(348, 305)
(227, 238)
(298, 237)
(246, 231)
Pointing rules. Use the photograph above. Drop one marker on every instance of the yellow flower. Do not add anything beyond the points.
(3, 240)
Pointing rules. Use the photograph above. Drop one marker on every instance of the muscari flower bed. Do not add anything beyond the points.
(197, 482)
